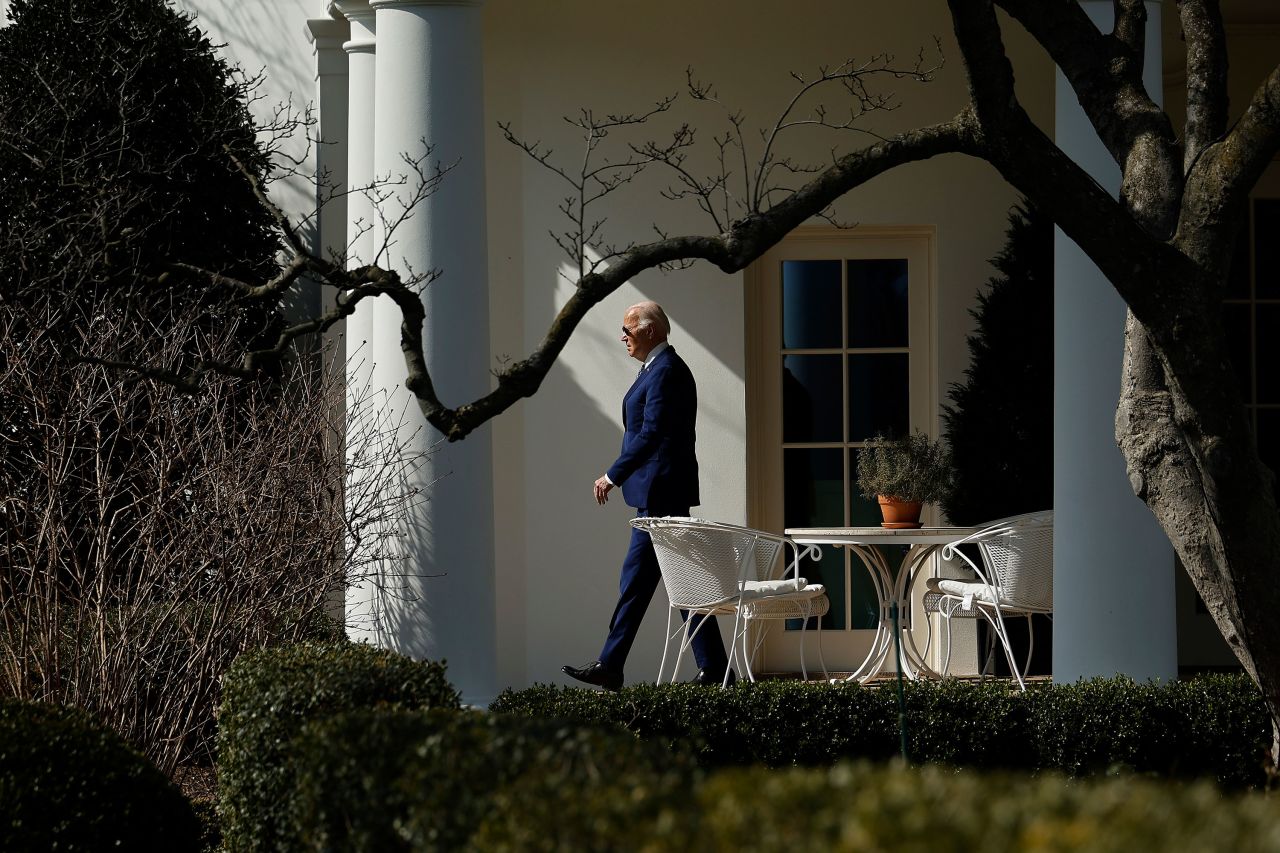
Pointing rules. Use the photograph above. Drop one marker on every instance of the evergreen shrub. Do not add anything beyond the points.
(1211, 727)
(68, 783)
(388, 780)
(270, 694)
(865, 806)
(462, 781)
(999, 423)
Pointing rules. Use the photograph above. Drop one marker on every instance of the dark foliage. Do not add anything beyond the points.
(67, 783)
(1000, 422)
(384, 781)
(269, 695)
(116, 119)
(132, 542)
(1213, 727)
(562, 778)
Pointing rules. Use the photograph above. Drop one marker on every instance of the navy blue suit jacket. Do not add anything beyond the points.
(658, 466)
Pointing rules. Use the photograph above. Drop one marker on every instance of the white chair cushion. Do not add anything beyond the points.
(773, 587)
(810, 601)
(812, 590)
(962, 589)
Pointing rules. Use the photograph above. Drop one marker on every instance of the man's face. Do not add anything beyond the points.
(639, 341)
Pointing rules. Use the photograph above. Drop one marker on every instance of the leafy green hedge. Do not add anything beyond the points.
(269, 695)
(866, 806)
(1212, 727)
(877, 807)
(391, 780)
(397, 780)
(68, 783)
(323, 750)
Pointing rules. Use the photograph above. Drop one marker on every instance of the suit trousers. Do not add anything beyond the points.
(640, 576)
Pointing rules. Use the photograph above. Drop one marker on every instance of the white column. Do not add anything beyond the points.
(430, 88)
(360, 49)
(328, 36)
(1113, 568)
(363, 602)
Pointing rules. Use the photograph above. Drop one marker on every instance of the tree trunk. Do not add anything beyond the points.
(1212, 497)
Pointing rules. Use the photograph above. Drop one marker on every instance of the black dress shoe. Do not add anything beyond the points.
(595, 673)
(710, 679)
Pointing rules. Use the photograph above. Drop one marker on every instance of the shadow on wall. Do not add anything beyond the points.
(574, 432)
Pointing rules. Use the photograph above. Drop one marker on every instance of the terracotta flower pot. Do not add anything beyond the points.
(899, 514)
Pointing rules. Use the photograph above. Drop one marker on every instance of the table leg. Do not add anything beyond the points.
(915, 558)
(881, 578)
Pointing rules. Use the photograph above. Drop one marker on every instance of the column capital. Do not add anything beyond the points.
(361, 18)
(352, 10)
(329, 37)
(327, 33)
(398, 4)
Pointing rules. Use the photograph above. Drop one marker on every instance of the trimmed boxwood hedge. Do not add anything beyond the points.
(397, 780)
(857, 806)
(323, 753)
(69, 783)
(391, 780)
(1213, 727)
(268, 696)
(864, 806)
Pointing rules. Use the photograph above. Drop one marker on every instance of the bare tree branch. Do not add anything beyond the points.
(1237, 161)
(1106, 73)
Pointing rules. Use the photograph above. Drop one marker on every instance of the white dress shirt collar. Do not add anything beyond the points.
(654, 353)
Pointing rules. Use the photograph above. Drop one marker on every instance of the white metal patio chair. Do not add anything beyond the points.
(1015, 579)
(717, 569)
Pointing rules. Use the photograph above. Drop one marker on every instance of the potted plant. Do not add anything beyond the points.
(903, 474)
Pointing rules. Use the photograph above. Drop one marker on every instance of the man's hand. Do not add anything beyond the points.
(603, 487)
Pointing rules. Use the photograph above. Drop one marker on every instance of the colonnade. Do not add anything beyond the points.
(414, 92)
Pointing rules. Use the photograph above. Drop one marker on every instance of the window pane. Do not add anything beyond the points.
(863, 605)
(1235, 325)
(878, 303)
(1266, 242)
(1269, 442)
(1268, 356)
(810, 304)
(814, 497)
(863, 512)
(813, 487)
(812, 398)
(878, 395)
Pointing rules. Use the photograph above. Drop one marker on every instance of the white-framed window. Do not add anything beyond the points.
(839, 349)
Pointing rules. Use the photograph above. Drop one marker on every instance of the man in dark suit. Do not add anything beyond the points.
(658, 474)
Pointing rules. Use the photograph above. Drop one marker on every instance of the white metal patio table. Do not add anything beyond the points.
(893, 588)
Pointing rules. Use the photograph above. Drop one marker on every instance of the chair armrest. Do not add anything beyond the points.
(951, 551)
(810, 552)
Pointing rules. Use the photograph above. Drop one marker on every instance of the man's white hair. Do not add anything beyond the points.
(651, 314)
